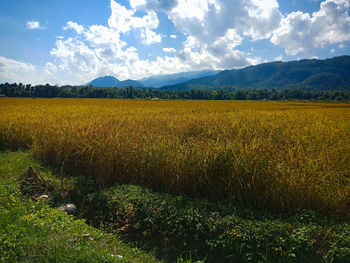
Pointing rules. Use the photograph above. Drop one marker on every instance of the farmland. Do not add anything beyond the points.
(277, 156)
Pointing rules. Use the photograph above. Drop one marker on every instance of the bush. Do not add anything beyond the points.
(219, 233)
(34, 232)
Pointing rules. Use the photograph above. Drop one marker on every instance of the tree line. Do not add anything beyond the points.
(223, 93)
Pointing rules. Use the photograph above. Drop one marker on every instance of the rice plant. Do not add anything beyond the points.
(274, 155)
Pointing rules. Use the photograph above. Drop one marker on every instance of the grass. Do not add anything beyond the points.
(34, 232)
(280, 156)
(176, 228)
(179, 225)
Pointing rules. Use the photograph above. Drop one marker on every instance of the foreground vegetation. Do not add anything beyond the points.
(267, 155)
(218, 233)
(34, 232)
(171, 226)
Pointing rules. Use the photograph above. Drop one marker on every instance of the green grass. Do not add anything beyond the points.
(175, 228)
(13, 163)
(179, 225)
(34, 232)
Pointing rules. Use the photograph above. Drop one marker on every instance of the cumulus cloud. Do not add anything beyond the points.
(15, 71)
(50, 68)
(209, 19)
(75, 56)
(123, 20)
(304, 32)
(72, 25)
(169, 50)
(31, 25)
(215, 27)
(214, 31)
(150, 37)
(98, 50)
(105, 42)
(159, 5)
(26, 73)
(81, 62)
(219, 55)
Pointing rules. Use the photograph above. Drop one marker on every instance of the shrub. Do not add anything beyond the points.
(219, 233)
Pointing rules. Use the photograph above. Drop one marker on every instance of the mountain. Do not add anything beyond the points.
(311, 74)
(109, 81)
(132, 83)
(172, 79)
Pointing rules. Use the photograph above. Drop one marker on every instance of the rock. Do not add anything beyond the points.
(69, 208)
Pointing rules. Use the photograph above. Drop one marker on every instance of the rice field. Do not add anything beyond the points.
(280, 156)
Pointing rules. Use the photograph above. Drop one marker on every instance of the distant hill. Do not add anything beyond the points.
(109, 81)
(173, 79)
(310, 74)
(130, 82)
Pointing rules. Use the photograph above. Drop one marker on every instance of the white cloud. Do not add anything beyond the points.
(150, 37)
(76, 57)
(264, 16)
(208, 20)
(72, 25)
(82, 61)
(169, 50)
(123, 20)
(227, 42)
(214, 31)
(105, 42)
(31, 25)
(26, 73)
(217, 27)
(210, 26)
(99, 50)
(332, 50)
(50, 69)
(219, 55)
(16, 71)
(304, 32)
(191, 9)
(157, 5)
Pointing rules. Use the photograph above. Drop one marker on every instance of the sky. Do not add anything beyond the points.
(74, 41)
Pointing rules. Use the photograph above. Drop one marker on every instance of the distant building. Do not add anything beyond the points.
(2, 96)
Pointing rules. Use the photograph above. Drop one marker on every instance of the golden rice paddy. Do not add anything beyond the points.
(273, 155)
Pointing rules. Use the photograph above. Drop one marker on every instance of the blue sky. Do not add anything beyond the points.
(73, 42)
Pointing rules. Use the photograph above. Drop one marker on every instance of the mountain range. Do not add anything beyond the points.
(153, 82)
(109, 81)
(310, 74)
(173, 79)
